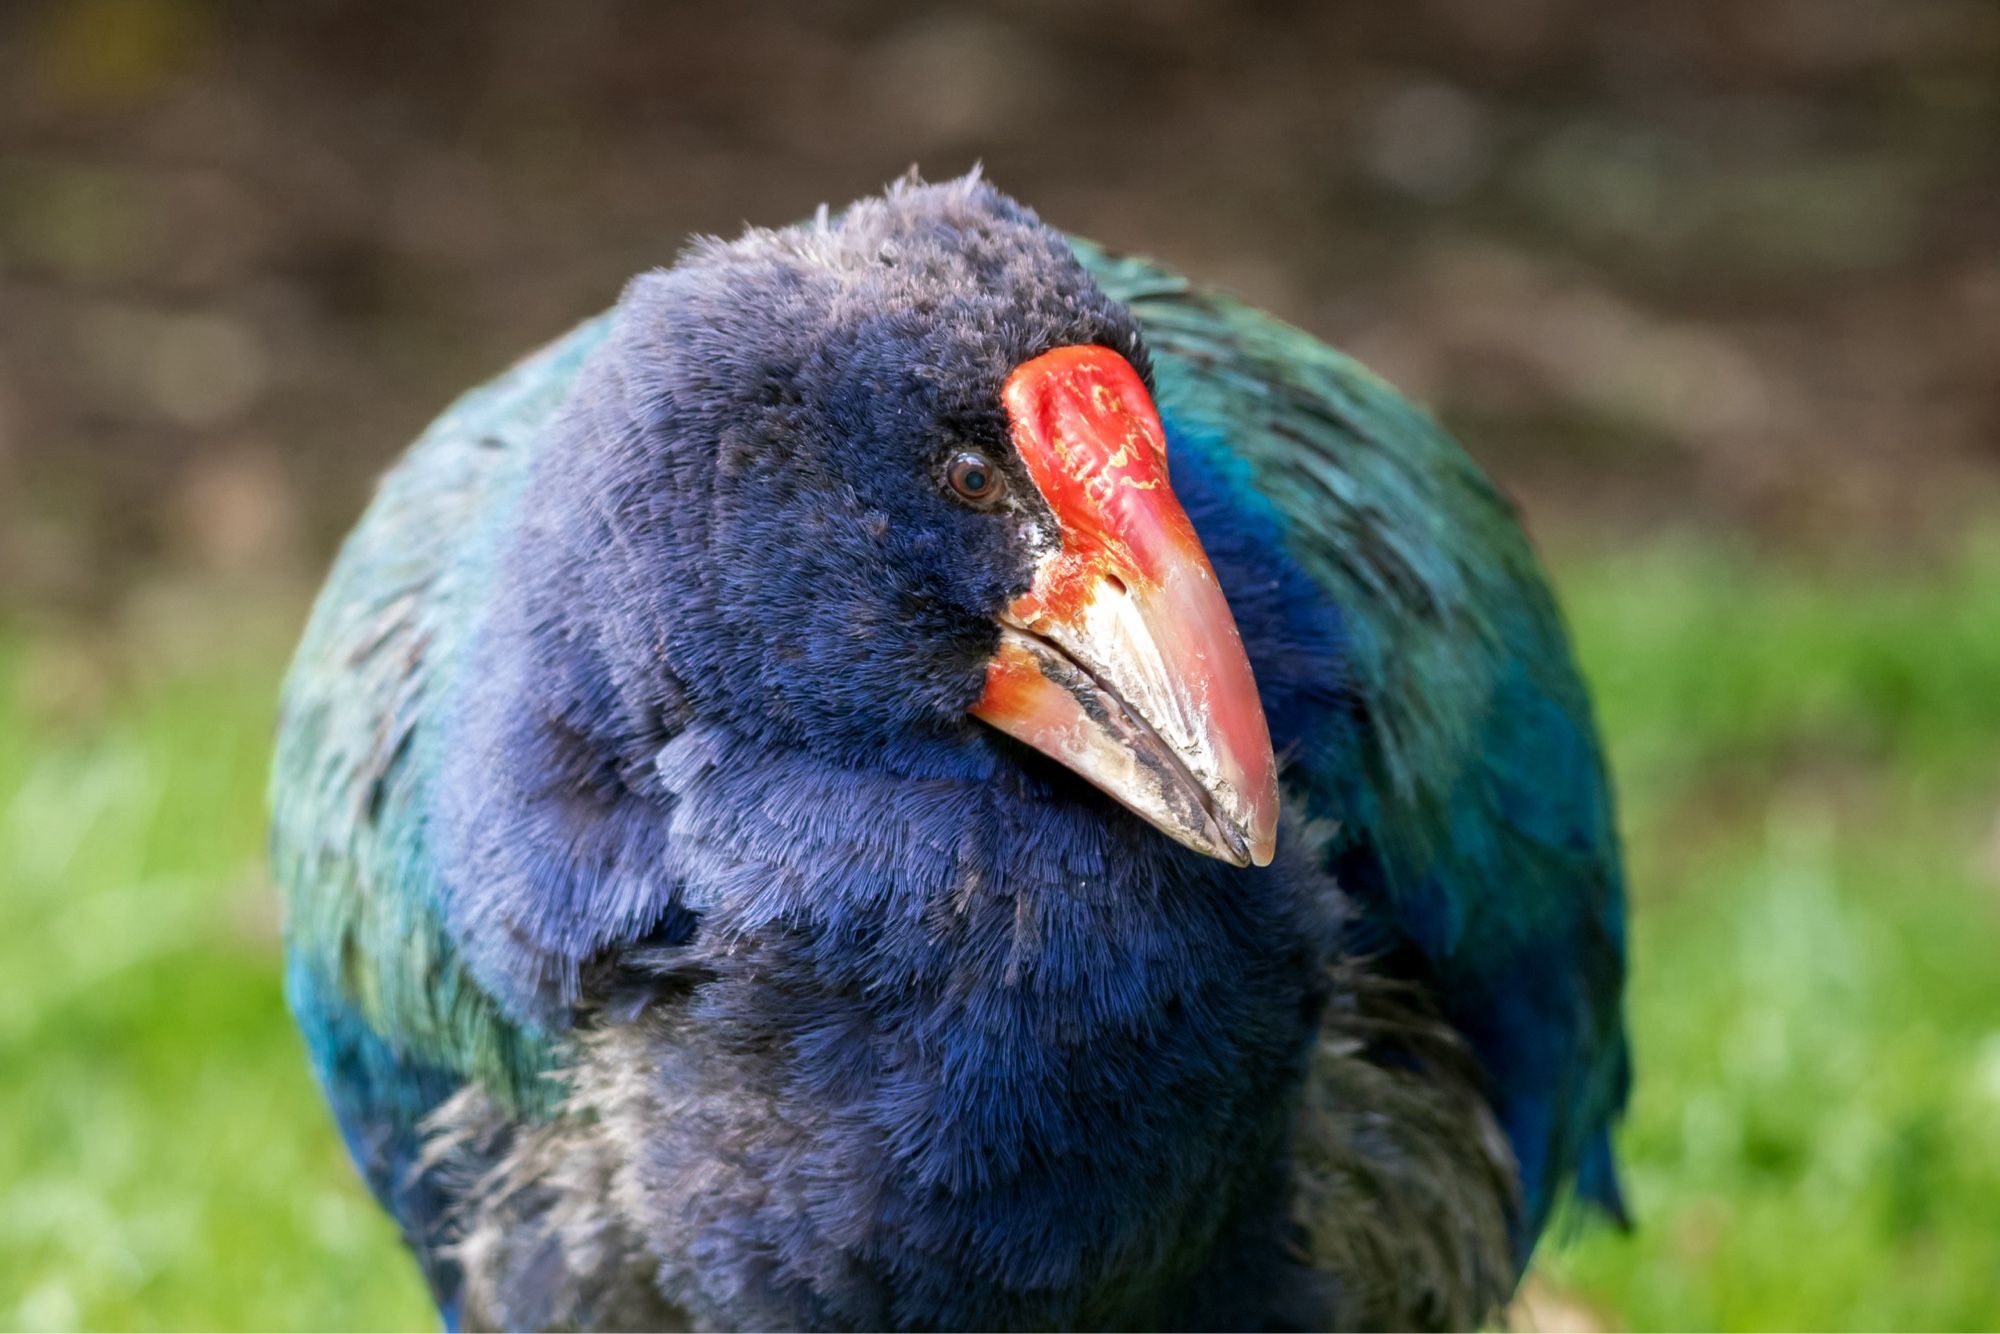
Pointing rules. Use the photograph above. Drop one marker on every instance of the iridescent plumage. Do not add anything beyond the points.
(1317, 1052)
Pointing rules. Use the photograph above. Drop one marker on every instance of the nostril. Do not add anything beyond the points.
(1117, 585)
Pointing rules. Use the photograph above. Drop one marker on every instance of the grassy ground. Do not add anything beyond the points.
(1810, 767)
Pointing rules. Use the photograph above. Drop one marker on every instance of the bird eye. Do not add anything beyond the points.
(975, 478)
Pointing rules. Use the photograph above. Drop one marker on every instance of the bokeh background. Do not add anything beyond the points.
(1712, 286)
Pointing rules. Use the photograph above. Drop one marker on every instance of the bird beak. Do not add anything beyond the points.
(1122, 660)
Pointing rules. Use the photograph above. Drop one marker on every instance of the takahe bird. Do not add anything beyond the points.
(791, 819)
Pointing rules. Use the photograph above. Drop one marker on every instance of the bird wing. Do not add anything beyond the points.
(394, 1021)
(1475, 817)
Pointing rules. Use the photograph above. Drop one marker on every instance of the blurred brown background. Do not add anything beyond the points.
(1730, 262)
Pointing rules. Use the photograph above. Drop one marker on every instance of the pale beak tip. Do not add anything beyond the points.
(1262, 842)
(1260, 831)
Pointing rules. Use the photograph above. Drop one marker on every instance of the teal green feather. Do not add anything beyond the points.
(1475, 815)
(357, 744)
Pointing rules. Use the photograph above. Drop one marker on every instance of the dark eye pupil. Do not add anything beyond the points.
(975, 479)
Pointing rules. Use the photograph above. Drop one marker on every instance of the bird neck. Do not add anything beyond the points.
(1016, 1033)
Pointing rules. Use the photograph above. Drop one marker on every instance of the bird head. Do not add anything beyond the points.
(892, 483)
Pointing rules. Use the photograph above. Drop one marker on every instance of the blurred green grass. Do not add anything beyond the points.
(1810, 772)
(169, 1163)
